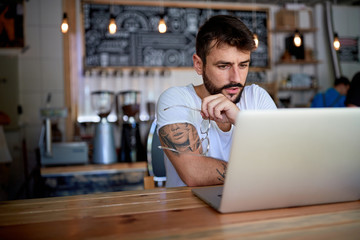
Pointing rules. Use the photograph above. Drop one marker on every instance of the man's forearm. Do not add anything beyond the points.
(202, 171)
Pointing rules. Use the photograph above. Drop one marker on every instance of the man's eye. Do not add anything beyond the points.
(244, 65)
(223, 66)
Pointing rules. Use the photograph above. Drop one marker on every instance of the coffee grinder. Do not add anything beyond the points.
(131, 149)
(104, 151)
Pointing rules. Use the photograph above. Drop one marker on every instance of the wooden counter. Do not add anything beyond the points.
(173, 213)
(93, 168)
(92, 178)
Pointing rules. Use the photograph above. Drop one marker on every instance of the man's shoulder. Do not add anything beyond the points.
(254, 88)
(256, 97)
(332, 91)
(253, 85)
(176, 91)
(178, 88)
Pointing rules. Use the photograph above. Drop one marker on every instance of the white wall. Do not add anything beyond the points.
(346, 21)
(41, 65)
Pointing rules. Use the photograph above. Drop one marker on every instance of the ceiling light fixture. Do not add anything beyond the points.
(162, 24)
(112, 25)
(64, 24)
(336, 42)
(256, 40)
(297, 38)
(255, 36)
(112, 22)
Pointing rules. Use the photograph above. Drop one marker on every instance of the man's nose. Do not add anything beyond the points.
(235, 75)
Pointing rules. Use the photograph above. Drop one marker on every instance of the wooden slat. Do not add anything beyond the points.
(298, 62)
(149, 182)
(102, 205)
(291, 30)
(323, 226)
(191, 224)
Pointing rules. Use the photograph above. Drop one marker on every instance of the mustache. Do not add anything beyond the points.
(232, 85)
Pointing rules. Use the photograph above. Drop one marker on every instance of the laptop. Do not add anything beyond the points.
(290, 157)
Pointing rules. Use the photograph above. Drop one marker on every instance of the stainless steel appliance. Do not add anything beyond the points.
(104, 150)
(59, 153)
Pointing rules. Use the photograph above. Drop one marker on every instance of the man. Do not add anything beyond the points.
(353, 95)
(196, 122)
(333, 97)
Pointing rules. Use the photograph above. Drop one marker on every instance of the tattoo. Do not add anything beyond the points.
(182, 137)
(223, 173)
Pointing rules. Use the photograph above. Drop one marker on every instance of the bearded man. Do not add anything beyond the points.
(196, 123)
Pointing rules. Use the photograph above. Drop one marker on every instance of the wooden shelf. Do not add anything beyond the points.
(297, 95)
(290, 30)
(298, 62)
(298, 88)
(10, 51)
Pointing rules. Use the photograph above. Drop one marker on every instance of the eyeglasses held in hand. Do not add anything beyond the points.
(204, 129)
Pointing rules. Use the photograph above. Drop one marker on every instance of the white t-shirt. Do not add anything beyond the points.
(253, 97)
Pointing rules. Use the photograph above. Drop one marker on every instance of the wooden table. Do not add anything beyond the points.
(172, 213)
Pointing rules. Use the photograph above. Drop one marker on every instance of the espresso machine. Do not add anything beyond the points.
(104, 150)
(131, 147)
(52, 150)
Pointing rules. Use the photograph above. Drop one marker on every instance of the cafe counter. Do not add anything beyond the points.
(70, 180)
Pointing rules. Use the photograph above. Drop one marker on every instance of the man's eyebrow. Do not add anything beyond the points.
(223, 62)
(246, 61)
(230, 63)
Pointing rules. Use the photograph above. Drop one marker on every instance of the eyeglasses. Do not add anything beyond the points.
(204, 129)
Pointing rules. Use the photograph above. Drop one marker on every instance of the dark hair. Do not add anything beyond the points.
(353, 95)
(223, 29)
(342, 80)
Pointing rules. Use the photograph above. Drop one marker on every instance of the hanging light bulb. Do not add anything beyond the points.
(297, 38)
(64, 24)
(112, 25)
(255, 36)
(256, 40)
(336, 42)
(162, 25)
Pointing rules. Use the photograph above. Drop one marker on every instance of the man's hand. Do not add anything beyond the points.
(219, 109)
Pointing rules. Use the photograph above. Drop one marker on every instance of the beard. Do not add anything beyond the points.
(212, 89)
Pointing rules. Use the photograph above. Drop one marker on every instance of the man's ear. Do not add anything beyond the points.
(198, 64)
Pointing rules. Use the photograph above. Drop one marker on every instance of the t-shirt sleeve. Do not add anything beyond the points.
(173, 97)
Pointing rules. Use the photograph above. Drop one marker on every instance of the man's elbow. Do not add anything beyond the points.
(194, 181)
(191, 181)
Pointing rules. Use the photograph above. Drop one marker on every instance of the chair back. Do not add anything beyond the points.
(155, 156)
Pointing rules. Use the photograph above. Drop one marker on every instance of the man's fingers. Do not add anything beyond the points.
(214, 106)
(219, 108)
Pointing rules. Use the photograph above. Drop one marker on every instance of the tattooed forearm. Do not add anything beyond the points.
(222, 173)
